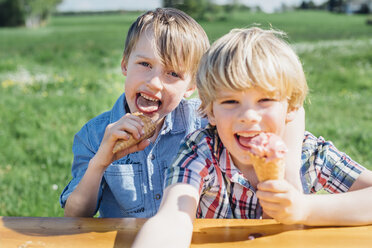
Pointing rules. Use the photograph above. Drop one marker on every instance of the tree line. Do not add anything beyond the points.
(28, 13)
(32, 13)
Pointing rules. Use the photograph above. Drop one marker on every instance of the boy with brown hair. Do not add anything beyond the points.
(162, 52)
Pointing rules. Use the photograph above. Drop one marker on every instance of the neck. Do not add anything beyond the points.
(159, 125)
(250, 175)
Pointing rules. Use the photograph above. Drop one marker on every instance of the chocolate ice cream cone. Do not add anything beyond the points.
(149, 129)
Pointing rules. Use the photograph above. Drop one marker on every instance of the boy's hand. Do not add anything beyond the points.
(280, 200)
(128, 124)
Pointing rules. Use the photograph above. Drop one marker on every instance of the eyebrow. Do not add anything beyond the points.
(141, 56)
(225, 95)
(179, 71)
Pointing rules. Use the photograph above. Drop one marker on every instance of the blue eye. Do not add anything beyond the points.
(173, 74)
(267, 100)
(144, 64)
(229, 102)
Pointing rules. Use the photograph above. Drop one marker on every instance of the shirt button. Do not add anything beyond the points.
(152, 156)
(157, 196)
(249, 193)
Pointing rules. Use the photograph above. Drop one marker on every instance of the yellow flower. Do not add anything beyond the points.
(7, 83)
(82, 90)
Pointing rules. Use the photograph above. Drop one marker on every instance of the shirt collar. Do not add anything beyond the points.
(118, 109)
(175, 122)
(226, 163)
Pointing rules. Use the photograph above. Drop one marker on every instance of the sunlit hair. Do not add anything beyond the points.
(246, 58)
(179, 40)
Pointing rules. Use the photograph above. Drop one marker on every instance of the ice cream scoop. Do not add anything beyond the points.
(267, 152)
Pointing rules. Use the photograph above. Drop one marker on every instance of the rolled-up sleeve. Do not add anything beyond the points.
(326, 168)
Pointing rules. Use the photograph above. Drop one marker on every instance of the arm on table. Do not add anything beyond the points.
(173, 224)
(281, 201)
(83, 200)
(351, 208)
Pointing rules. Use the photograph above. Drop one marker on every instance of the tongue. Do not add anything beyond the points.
(245, 141)
(256, 145)
(267, 145)
(145, 105)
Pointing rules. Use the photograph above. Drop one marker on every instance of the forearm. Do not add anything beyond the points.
(173, 224)
(351, 208)
(165, 230)
(83, 200)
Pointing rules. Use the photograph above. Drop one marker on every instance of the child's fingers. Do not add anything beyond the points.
(277, 186)
(138, 147)
(270, 213)
(143, 144)
(132, 125)
(276, 211)
(266, 216)
(266, 196)
(282, 215)
(267, 205)
(135, 118)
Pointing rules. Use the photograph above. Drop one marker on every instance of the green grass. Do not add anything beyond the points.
(54, 79)
(300, 25)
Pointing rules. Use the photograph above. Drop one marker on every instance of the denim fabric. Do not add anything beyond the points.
(133, 185)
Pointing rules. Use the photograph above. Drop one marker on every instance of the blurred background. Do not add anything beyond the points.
(60, 67)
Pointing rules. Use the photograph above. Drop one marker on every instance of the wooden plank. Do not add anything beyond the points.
(116, 232)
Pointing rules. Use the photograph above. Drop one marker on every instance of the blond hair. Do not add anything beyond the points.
(179, 40)
(246, 58)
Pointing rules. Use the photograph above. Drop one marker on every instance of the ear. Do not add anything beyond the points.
(291, 114)
(211, 118)
(123, 67)
(189, 91)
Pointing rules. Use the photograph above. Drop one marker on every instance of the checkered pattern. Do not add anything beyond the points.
(205, 163)
(326, 168)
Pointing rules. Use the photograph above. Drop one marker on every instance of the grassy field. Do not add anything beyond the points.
(54, 79)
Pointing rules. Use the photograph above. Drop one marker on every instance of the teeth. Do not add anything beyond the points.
(247, 135)
(149, 98)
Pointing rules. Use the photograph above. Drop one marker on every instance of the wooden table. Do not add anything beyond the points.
(24, 232)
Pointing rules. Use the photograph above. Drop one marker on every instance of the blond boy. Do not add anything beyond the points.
(250, 81)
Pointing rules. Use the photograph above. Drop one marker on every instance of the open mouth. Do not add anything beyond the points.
(244, 139)
(147, 104)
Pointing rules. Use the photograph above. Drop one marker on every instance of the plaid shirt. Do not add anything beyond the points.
(205, 163)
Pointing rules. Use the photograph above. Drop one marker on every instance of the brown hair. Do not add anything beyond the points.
(179, 40)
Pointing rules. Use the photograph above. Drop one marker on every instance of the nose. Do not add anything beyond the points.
(249, 116)
(155, 81)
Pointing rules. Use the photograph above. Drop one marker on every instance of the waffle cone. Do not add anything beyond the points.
(267, 170)
(149, 129)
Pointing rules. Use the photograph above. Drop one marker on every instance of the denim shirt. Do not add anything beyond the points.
(133, 185)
